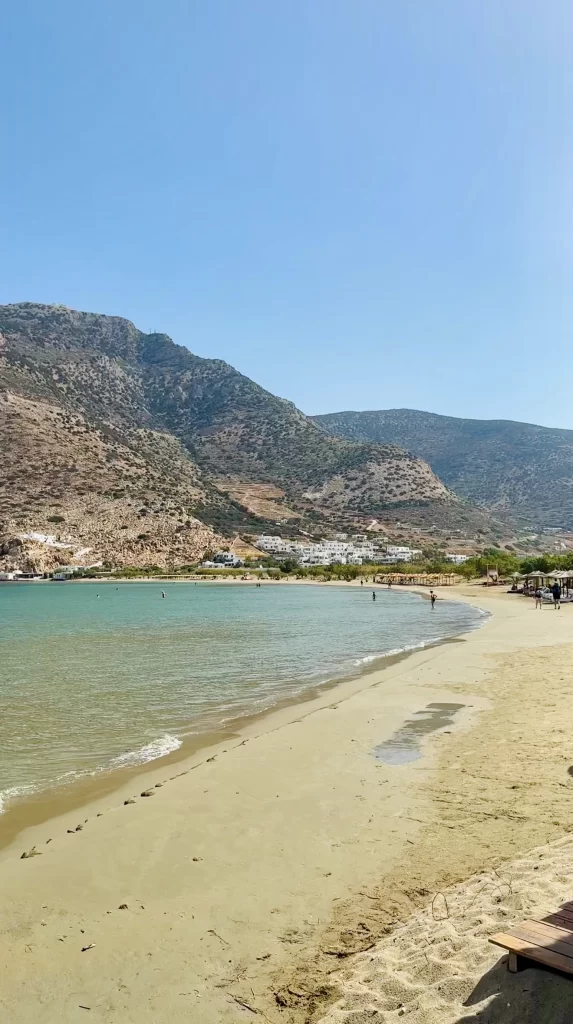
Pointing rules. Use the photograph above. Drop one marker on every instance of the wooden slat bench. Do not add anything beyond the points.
(548, 942)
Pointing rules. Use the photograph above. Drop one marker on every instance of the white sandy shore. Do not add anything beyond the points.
(248, 877)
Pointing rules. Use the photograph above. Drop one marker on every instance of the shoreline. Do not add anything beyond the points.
(194, 578)
(41, 807)
(252, 873)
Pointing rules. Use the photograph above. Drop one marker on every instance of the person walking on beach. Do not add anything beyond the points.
(432, 598)
(556, 591)
(538, 600)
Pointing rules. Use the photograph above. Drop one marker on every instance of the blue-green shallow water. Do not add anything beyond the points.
(95, 677)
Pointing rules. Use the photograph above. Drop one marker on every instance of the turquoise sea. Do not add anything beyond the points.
(94, 677)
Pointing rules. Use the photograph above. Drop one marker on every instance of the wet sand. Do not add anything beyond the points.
(258, 867)
(44, 805)
(39, 807)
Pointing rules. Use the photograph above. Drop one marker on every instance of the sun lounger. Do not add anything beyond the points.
(548, 942)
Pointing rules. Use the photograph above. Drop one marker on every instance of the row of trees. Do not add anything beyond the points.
(492, 558)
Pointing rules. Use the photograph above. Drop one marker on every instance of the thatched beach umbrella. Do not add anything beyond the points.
(534, 578)
(562, 576)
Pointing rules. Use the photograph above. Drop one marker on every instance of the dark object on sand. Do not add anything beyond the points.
(31, 853)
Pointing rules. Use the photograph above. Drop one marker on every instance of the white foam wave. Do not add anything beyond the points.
(12, 793)
(399, 650)
(150, 752)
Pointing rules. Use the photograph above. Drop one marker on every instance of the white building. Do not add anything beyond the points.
(339, 551)
(456, 559)
(227, 558)
(275, 545)
(395, 554)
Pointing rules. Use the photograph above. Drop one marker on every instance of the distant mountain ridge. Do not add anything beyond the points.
(151, 452)
(519, 471)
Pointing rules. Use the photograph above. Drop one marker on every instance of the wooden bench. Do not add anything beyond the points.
(548, 942)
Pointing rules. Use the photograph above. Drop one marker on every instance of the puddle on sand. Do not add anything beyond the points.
(404, 745)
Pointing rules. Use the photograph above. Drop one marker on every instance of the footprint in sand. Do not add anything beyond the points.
(30, 853)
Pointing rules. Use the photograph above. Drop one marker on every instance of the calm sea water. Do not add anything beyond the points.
(94, 677)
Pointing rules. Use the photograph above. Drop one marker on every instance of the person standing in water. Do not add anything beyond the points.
(432, 598)
(163, 593)
(373, 595)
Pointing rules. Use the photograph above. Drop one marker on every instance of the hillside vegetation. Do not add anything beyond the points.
(518, 471)
(105, 426)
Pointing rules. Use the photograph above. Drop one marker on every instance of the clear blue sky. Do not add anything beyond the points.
(358, 203)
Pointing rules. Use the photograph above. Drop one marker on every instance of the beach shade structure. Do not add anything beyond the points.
(533, 580)
(564, 577)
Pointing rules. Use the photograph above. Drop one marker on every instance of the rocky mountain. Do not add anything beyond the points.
(518, 471)
(131, 445)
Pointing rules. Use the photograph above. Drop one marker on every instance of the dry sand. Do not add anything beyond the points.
(439, 968)
(259, 869)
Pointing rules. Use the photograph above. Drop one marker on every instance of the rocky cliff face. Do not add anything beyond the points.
(144, 449)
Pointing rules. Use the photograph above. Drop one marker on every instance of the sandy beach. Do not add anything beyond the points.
(288, 873)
